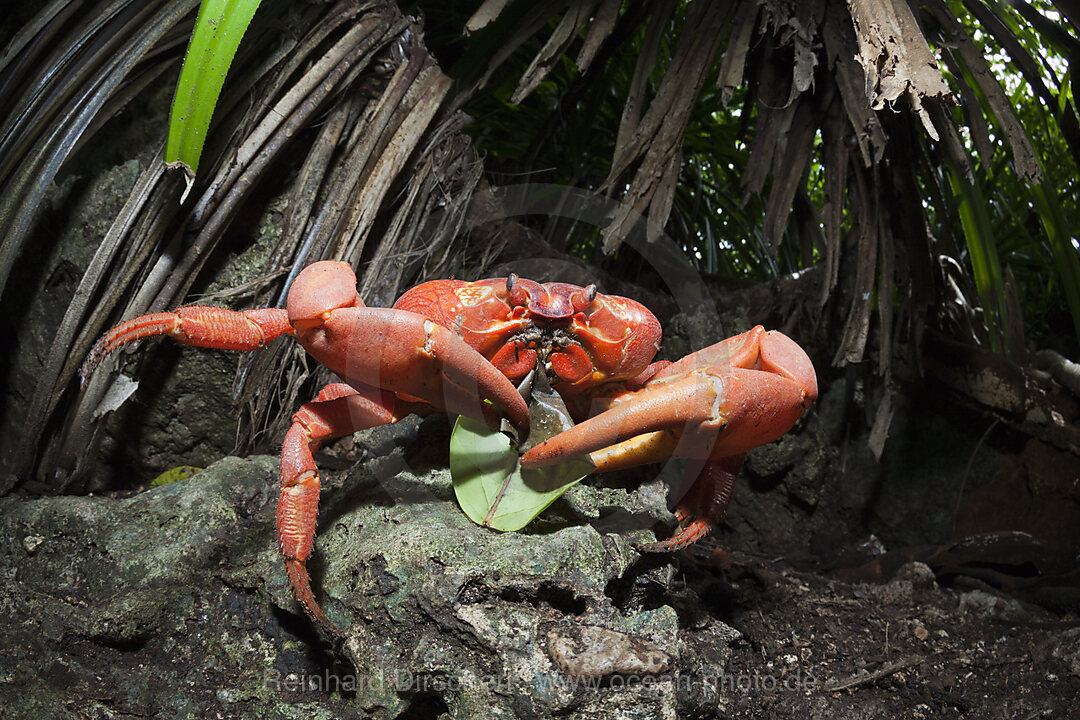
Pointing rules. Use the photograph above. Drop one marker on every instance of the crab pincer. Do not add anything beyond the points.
(713, 405)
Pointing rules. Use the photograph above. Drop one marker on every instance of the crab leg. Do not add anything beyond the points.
(338, 410)
(208, 327)
(703, 506)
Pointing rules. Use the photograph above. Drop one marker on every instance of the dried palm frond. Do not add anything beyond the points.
(817, 80)
(355, 65)
(880, 57)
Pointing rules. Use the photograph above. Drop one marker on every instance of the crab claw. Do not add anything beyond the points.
(712, 406)
(714, 409)
(395, 350)
(719, 411)
(756, 349)
(416, 359)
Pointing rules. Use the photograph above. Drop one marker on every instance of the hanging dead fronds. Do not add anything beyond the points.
(895, 58)
(356, 70)
(881, 59)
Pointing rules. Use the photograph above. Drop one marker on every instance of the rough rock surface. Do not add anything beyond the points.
(174, 601)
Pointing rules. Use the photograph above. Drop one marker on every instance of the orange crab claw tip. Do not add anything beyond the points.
(470, 376)
(784, 357)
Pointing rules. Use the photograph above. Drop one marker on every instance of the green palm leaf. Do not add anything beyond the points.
(218, 31)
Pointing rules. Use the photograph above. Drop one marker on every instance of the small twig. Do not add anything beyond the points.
(1042, 712)
(243, 289)
(866, 678)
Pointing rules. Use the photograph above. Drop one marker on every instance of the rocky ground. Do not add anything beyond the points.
(173, 603)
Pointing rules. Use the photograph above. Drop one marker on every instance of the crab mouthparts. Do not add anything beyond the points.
(547, 342)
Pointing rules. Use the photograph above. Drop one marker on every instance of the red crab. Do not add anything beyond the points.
(450, 345)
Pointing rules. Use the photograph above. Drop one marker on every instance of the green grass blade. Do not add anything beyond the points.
(1066, 257)
(982, 250)
(218, 31)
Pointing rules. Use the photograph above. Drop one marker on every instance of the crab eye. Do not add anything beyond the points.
(517, 294)
(583, 299)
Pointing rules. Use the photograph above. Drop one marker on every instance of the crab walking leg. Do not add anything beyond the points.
(704, 505)
(198, 326)
(338, 410)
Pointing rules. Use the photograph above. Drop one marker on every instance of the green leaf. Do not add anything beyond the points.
(492, 488)
(218, 31)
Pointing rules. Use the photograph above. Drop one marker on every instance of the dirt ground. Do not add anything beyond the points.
(815, 646)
